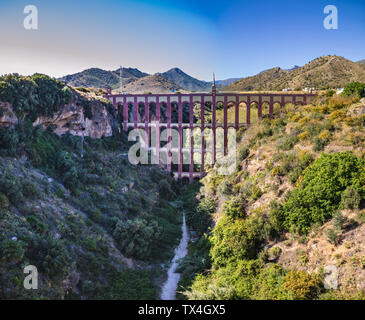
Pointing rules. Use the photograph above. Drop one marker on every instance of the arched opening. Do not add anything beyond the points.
(130, 112)
(174, 112)
(242, 112)
(163, 112)
(289, 107)
(120, 114)
(277, 110)
(208, 112)
(254, 112)
(141, 112)
(265, 110)
(152, 112)
(231, 112)
(197, 147)
(219, 107)
(185, 112)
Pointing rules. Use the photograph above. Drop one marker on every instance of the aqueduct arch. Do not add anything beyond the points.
(158, 112)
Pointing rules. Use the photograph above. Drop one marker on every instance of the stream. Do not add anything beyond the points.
(168, 291)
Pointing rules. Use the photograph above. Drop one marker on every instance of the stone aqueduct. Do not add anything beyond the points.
(143, 111)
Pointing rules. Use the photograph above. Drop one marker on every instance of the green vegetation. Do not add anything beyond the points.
(100, 228)
(85, 207)
(354, 89)
(309, 187)
(319, 194)
(38, 95)
(77, 215)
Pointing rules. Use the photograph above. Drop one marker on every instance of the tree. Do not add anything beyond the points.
(354, 88)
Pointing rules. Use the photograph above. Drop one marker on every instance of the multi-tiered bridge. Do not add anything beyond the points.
(197, 111)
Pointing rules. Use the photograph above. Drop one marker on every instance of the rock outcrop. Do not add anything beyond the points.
(71, 118)
(7, 116)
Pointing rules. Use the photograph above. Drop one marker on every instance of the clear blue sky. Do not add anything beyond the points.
(234, 38)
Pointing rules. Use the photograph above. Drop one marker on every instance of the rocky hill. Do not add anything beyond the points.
(98, 78)
(174, 79)
(156, 83)
(185, 81)
(321, 73)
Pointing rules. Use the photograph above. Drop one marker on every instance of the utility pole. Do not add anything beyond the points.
(121, 81)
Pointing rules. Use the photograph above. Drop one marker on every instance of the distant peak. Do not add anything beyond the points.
(176, 69)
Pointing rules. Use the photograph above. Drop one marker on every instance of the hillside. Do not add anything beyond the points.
(156, 83)
(98, 78)
(95, 226)
(361, 62)
(294, 206)
(173, 79)
(185, 81)
(321, 73)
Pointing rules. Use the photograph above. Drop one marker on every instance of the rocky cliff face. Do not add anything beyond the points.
(7, 116)
(72, 118)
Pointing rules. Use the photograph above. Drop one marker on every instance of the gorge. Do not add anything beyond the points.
(98, 227)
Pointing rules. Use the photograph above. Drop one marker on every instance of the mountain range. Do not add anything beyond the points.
(136, 81)
(323, 72)
(99, 78)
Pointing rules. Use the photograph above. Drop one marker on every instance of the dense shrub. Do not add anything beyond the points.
(319, 144)
(350, 198)
(67, 169)
(235, 208)
(236, 239)
(338, 220)
(354, 89)
(11, 186)
(165, 190)
(199, 218)
(287, 143)
(255, 193)
(225, 188)
(34, 96)
(49, 255)
(319, 193)
(243, 153)
(36, 224)
(333, 236)
(131, 285)
(341, 101)
(29, 189)
(302, 284)
(135, 237)
(11, 251)
(4, 202)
